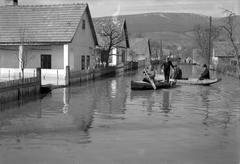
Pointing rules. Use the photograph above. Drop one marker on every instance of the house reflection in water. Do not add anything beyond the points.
(81, 111)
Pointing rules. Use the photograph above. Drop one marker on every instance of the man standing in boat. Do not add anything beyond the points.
(205, 74)
(167, 66)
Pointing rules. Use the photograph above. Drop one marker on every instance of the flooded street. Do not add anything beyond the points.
(104, 122)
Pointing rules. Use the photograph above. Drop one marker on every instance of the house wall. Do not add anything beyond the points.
(81, 45)
(8, 58)
(9, 65)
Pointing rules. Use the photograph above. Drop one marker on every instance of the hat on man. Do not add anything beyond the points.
(204, 65)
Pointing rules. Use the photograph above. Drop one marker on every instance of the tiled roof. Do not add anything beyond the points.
(100, 22)
(42, 23)
(223, 49)
(140, 45)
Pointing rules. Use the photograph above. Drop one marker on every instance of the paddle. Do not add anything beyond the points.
(171, 81)
(152, 83)
(199, 79)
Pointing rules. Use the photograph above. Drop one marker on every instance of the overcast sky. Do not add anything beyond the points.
(99, 8)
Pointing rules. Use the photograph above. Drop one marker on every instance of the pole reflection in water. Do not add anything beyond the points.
(150, 101)
(65, 100)
(165, 105)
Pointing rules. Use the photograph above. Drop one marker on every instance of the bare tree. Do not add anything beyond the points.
(201, 36)
(96, 56)
(23, 49)
(112, 35)
(231, 25)
(155, 48)
(133, 55)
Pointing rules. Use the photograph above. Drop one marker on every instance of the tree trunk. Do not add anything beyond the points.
(107, 58)
(107, 61)
(22, 73)
(237, 58)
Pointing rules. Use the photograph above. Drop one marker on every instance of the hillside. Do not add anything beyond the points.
(170, 27)
(160, 22)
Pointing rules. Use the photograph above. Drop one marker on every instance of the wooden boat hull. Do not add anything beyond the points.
(142, 85)
(193, 81)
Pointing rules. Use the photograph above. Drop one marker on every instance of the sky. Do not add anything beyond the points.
(99, 8)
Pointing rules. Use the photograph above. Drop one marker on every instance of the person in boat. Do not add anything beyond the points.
(167, 66)
(151, 73)
(177, 73)
(205, 74)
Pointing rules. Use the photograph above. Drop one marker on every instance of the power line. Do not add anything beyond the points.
(166, 5)
(181, 7)
(186, 9)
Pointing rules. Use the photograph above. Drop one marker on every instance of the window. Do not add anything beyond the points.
(46, 61)
(83, 62)
(88, 62)
(83, 24)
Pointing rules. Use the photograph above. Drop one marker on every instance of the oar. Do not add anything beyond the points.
(152, 83)
(172, 79)
(200, 80)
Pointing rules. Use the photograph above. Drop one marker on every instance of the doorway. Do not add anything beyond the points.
(46, 62)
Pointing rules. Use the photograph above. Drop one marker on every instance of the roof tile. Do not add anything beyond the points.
(43, 23)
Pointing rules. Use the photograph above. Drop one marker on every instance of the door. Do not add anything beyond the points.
(46, 62)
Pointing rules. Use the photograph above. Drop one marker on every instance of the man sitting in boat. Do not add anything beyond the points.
(177, 74)
(205, 74)
(151, 72)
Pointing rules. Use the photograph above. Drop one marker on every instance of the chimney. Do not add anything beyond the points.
(11, 2)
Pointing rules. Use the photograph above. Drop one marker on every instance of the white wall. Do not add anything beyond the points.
(82, 43)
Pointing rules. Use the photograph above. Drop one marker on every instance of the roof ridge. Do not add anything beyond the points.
(63, 4)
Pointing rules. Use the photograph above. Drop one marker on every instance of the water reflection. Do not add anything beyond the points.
(216, 107)
(165, 104)
(145, 98)
(110, 97)
(108, 117)
(66, 99)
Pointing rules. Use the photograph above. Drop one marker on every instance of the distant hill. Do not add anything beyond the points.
(171, 27)
(161, 22)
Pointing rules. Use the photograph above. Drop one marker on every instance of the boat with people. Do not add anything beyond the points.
(191, 81)
(142, 85)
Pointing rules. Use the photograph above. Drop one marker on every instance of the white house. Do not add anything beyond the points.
(119, 51)
(62, 35)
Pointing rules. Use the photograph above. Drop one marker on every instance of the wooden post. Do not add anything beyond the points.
(39, 79)
(210, 40)
(39, 75)
(9, 75)
(67, 78)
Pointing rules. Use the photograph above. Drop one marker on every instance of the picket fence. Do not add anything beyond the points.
(17, 89)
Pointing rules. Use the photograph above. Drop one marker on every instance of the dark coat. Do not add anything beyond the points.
(205, 74)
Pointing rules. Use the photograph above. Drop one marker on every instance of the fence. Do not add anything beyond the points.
(78, 76)
(7, 74)
(17, 89)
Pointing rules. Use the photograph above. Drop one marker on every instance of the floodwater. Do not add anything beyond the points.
(104, 122)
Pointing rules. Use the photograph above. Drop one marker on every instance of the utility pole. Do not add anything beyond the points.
(161, 49)
(210, 36)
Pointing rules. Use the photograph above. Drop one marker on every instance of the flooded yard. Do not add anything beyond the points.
(105, 122)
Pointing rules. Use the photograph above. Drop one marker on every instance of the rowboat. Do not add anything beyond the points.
(142, 85)
(192, 81)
